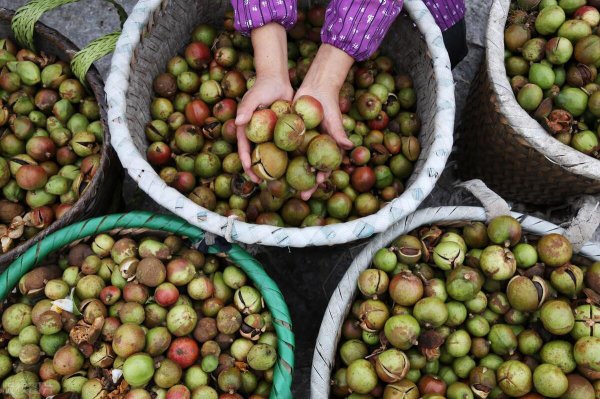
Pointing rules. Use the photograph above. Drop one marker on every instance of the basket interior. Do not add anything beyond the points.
(95, 199)
(169, 31)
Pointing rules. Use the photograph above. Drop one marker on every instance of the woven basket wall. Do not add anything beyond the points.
(502, 145)
(157, 30)
(343, 296)
(101, 193)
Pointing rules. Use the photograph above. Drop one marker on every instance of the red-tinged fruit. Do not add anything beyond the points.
(430, 384)
(196, 112)
(40, 217)
(310, 109)
(380, 122)
(229, 131)
(178, 392)
(166, 294)
(41, 148)
(363, 179)
(110, 295)
(261, 126)
(233, 84)
(61, 210)
(184, 182)
(588, 14)
(31, 177)
(360, 156)
(184, 351)
(197, 55)
(158, 153)
(225, 109)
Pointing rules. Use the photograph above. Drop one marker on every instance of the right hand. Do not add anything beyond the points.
(266, 90)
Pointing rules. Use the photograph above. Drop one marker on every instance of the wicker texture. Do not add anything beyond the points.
(501, 144)
(100, 194)
(144, 222)
(342, 297)
(157, 30)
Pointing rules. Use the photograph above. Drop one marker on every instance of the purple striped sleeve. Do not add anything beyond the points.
(446, 12)
(359, 26)
(250, 14)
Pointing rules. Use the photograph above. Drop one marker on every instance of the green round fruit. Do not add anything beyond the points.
(530, 97)
(573, 100)
(550, 381)
(138, 370)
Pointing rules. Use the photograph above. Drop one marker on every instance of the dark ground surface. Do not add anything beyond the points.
(307, 277)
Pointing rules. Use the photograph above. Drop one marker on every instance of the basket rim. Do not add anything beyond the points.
(43, 32)
(521, 122)
(341, 299)
(171, 224)
(148, 180)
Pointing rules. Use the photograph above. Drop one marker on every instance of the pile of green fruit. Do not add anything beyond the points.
(136, 318)
(552, 52)
(192, 137)
(50, 139)
(478, 312)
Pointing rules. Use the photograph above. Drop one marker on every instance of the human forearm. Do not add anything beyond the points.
(270, 51)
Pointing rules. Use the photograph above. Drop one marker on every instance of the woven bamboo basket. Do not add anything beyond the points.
(137, 222)
(158, 29)
(501, 144)
(100, 194)
(455, 216)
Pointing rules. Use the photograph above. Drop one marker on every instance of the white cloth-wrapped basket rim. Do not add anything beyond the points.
(344, 294)
(530, 130)
(429, 166)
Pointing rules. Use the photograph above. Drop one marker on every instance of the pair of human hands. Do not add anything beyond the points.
(323, 82)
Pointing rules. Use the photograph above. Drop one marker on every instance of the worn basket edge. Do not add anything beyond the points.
(137, 167)
(519, 120)
(341, 300)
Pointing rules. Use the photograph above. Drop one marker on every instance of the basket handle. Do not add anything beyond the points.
(493, 204)
(23, 26)
(579, 231)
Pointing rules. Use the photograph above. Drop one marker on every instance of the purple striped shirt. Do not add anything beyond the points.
(355, 26)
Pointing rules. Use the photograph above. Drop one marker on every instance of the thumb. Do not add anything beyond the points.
(244, 153)
(336, 130)
(321, 177)
(245, 109)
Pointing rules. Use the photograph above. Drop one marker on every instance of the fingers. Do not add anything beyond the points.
(246, 108)
(333, 125)
(244, 153)
(305, 195)
(321, 178)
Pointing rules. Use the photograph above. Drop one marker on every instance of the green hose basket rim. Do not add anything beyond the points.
(282, 378)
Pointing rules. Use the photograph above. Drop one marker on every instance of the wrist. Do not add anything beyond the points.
(329, 67)
(270, 51)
